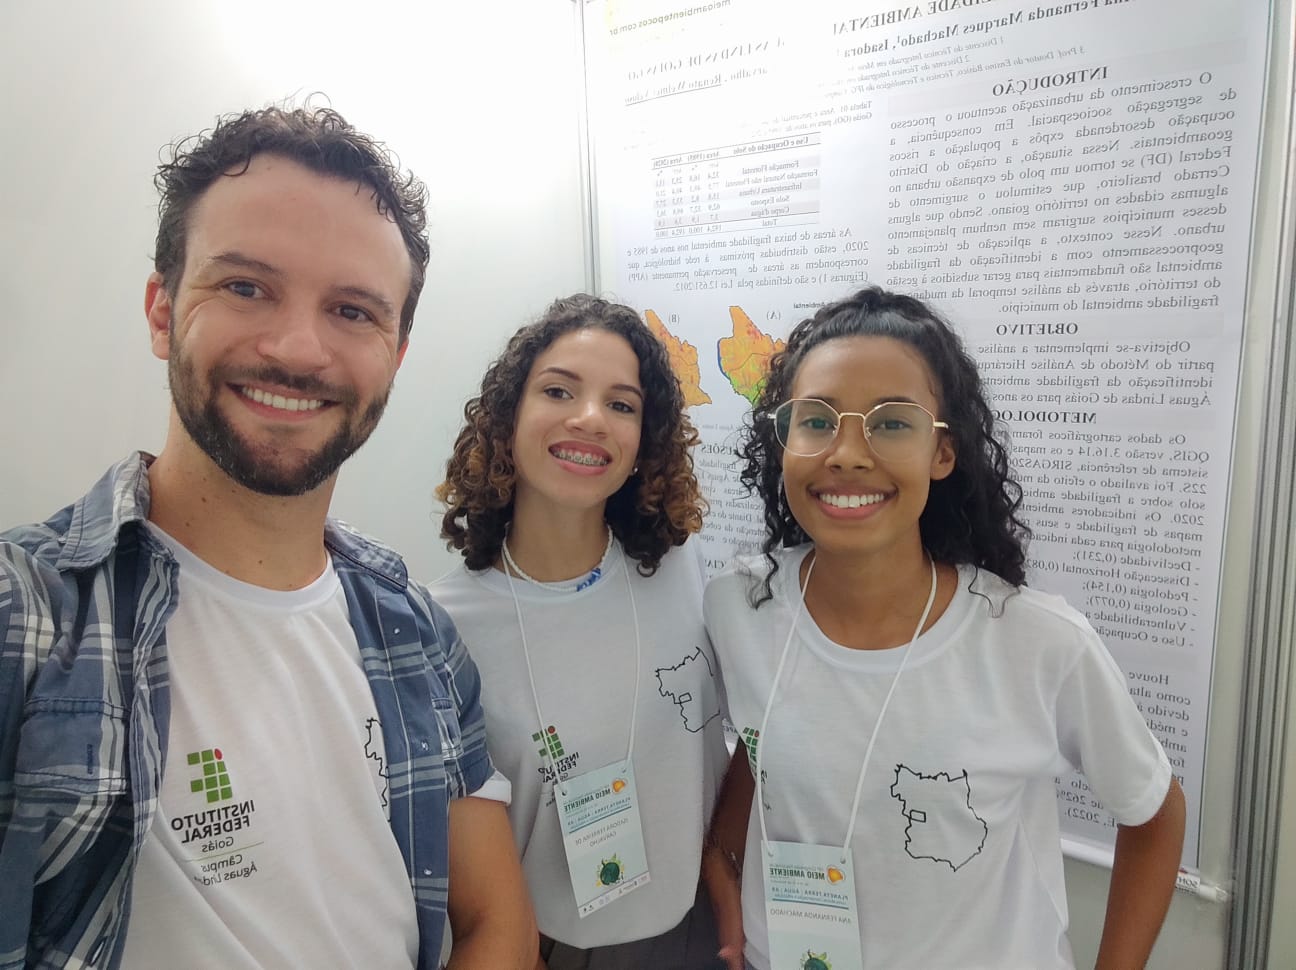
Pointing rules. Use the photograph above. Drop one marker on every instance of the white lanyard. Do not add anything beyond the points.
(526, 655)
(868, 752)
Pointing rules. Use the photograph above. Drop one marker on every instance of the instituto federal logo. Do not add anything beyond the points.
(750, 739)
(555, 760)
(214, 780)
(550, 743)
(214, 825)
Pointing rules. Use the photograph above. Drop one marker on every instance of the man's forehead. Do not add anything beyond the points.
(275, 202)
(268, 173)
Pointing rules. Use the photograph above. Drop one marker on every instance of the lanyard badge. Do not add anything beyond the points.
(811, 911)
(810, 907)
(602, 835)
(598, 811)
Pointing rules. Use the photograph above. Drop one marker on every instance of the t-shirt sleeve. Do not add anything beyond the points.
(697, 561)
(708, 611)
(1104, 735)
(497, 789)
(692, 550)
(463, 683)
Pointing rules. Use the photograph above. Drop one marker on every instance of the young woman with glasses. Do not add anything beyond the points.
(571, 495)
(904, 701)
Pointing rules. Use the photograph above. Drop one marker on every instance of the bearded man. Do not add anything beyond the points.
(232, 732)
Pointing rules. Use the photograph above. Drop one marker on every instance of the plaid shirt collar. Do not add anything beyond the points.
(121, 497)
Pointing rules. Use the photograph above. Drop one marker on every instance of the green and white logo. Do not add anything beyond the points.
(550, 742)
(750, 739)
(215, 780)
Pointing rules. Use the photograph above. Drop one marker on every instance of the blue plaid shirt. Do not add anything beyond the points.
(85, 710)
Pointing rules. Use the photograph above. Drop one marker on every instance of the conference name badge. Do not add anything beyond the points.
(810, 907)
(602, 835)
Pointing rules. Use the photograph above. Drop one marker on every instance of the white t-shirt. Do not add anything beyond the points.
(582, 650)
(956, 848)
(271, 845)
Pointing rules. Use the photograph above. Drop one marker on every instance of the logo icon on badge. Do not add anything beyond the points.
(816, 961)
(835, 875)
(610, 873)
(618, 785)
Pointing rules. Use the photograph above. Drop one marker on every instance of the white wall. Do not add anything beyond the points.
(480, 100)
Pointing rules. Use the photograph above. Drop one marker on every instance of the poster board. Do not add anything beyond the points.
(1070, 183)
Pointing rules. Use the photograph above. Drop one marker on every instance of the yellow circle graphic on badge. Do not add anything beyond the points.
(610, 871)
(835, 875)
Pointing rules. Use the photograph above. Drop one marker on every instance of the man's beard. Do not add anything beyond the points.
(260, 468)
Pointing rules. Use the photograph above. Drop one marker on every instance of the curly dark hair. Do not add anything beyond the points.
(658, 507)
(319, 139)
(971, 515)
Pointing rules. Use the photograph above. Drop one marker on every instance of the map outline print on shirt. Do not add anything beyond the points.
(370, 754)
(744, 357)
(684, 699)
(952, 828)
(683, 357)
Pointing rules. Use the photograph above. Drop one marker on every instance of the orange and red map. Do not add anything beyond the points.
(743, 357)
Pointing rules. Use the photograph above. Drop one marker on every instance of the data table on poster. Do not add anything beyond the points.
(767, 183)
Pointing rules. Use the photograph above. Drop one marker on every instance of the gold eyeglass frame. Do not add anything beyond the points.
(936, 425)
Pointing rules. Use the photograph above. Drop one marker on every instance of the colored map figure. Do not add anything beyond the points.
(744, 357)
(684, 361)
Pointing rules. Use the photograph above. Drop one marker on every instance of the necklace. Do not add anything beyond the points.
(565, 585)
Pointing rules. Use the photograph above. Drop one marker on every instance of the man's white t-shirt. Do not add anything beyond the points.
(956, 846)
(271, 845)
(582, 649)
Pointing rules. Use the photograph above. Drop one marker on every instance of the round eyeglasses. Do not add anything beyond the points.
(895, 430)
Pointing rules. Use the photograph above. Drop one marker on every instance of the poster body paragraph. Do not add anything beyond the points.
(1070, 183)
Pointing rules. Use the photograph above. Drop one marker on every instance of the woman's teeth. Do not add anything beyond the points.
(579, 457)
(849, 501)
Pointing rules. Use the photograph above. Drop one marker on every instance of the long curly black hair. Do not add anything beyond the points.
(971, 515)
(658, 507)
